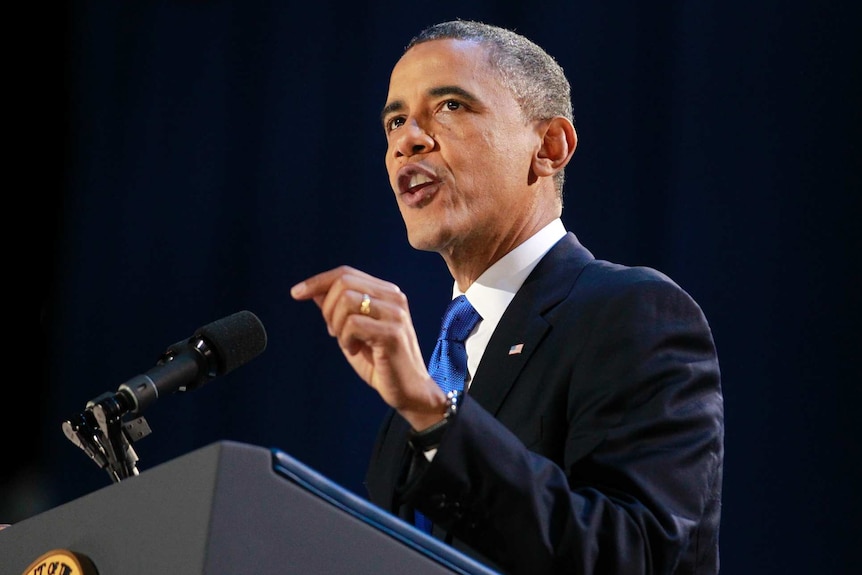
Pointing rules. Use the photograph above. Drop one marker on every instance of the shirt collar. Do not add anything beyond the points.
(493, 291)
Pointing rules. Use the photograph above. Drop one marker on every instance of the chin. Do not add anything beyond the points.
(418, 244)
(426, 240)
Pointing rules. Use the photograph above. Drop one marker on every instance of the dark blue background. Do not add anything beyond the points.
(180, 161)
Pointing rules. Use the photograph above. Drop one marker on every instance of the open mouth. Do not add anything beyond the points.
(416, 187)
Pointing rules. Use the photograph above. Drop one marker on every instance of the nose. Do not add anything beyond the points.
(413, 139)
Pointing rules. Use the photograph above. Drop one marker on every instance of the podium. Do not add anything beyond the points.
(230, 509)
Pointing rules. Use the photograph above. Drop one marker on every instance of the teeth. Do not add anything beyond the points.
(417, 179)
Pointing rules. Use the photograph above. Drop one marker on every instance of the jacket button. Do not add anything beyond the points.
(439, 501)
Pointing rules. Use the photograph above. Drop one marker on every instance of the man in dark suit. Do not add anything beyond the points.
(589, 438)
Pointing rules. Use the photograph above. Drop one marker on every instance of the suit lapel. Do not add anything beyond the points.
(523, 325)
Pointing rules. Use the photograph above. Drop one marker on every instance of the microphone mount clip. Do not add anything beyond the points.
(106, 437)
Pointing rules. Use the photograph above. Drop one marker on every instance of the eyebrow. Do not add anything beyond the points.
(439, 91)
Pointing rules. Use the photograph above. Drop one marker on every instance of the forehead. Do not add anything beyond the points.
(445, 62)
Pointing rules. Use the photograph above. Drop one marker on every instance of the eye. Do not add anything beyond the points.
(394, 123)
(452, 105)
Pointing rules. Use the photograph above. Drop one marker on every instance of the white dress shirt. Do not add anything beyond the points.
(494, 290)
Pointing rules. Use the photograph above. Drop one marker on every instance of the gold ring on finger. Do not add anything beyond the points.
(365, 305)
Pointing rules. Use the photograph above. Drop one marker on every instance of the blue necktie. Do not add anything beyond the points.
(448, 364)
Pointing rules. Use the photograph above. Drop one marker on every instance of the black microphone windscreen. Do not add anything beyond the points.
(237, 339)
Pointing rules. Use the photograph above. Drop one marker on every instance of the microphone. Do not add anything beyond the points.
(105, 432)
(213, 350)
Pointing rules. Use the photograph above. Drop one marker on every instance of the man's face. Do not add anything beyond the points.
(459, 150)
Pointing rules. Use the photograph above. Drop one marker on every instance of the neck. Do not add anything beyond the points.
(469, 260)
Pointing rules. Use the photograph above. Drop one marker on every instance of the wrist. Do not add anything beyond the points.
(430, 437)
(426, 410)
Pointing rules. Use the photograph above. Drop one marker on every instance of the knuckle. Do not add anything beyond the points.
(400, 297)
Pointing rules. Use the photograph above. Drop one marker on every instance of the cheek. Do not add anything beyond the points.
(481, 151)
(503, 160)
(484, 170)
(391, 169)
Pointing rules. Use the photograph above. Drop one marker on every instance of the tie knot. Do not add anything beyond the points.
(459, 320)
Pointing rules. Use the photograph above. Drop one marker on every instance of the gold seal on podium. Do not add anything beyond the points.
(61, 562)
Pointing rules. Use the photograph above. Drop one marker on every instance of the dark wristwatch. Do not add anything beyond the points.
(430, 438)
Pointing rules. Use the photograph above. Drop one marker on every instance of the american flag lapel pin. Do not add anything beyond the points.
(516, 349)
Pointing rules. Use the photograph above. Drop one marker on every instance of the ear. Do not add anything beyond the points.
(559, 141)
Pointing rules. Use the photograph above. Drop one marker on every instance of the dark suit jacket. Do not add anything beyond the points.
(597, 449)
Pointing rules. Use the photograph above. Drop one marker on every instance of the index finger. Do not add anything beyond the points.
(317, 286)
